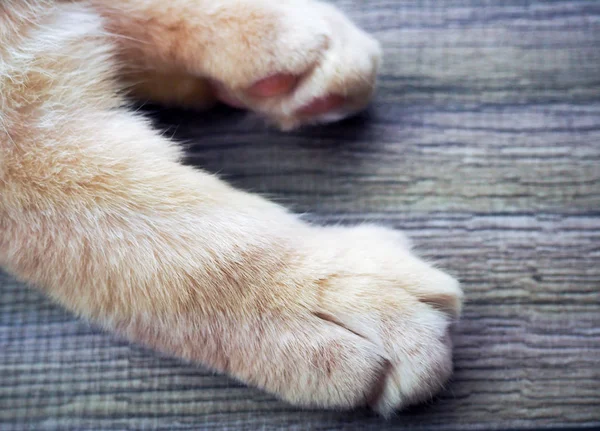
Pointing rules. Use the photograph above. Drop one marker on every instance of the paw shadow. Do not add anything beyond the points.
(303, 165)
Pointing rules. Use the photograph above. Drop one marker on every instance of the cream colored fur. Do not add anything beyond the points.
(96, 210)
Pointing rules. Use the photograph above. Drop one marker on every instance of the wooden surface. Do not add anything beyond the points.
(483, 144)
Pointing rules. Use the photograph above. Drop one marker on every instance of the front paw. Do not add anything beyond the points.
(371, 326)
(295, 63)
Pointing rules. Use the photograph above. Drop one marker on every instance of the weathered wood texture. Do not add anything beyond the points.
(483, 144)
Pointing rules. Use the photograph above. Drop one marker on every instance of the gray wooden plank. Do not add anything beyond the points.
(483, 144)
(507, 158)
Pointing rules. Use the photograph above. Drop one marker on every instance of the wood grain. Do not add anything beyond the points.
(483, 144)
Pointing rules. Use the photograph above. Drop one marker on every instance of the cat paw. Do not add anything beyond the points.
(295, 63)
(374, 326)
